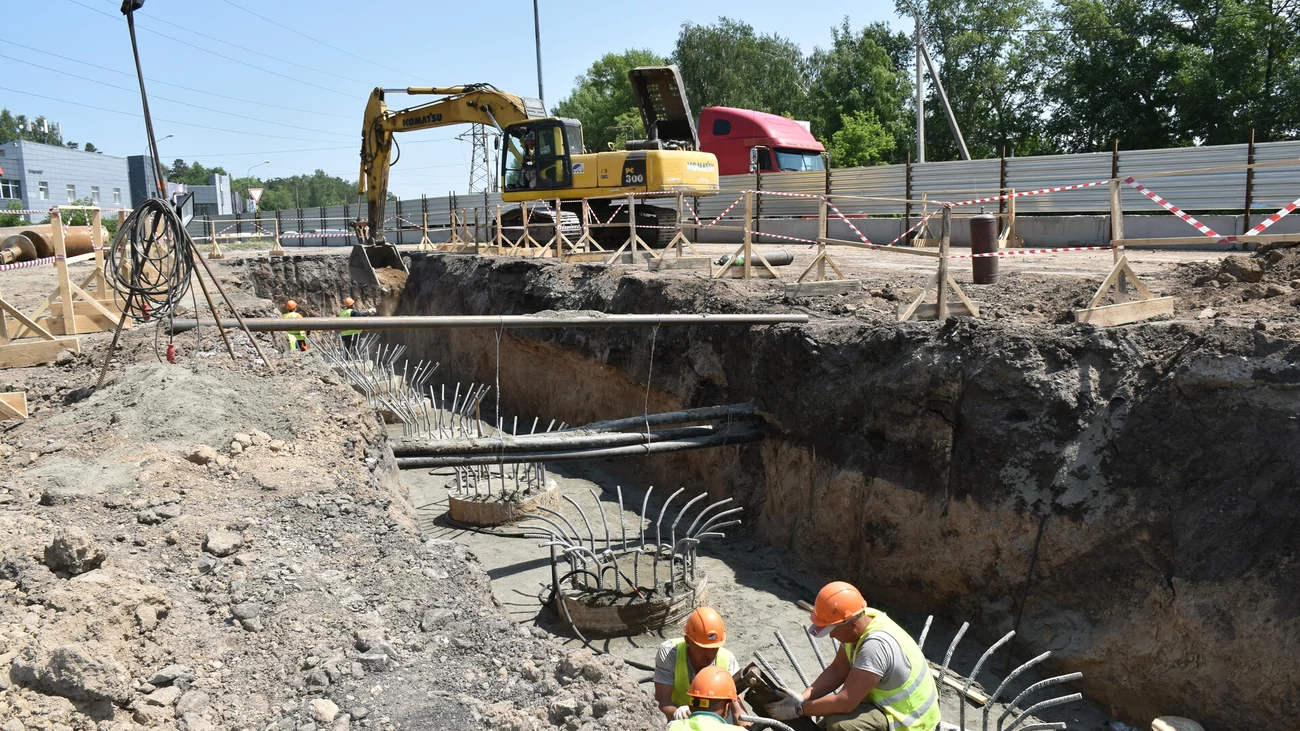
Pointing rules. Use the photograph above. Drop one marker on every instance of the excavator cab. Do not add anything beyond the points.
(538, 154)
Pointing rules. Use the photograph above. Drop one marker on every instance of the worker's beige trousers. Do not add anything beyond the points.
(866, 717)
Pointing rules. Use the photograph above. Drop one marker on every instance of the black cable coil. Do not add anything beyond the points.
(159, 258)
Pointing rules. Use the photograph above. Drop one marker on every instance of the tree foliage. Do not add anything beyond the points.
(728, 64)
(192, 173)
(13, 219)
(14, 127)
(862, 71)
(860, 140)
(602, 99)
(299, 191)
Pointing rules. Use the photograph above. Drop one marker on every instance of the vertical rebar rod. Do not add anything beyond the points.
(789, 653)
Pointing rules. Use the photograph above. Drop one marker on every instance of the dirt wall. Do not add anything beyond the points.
(917, 460)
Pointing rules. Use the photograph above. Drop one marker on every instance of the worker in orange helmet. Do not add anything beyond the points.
(712, 699)
(349, 337)
(883, 680)
(680, 660)
(297, 338)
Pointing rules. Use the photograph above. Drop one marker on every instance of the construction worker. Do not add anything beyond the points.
(679, 660)
(712, 698)
(297, 338)
(883, 680)
(349, 337)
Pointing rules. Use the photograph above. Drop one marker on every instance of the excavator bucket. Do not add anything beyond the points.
(661, 97)
(366, 258)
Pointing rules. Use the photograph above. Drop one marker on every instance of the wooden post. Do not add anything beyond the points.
(680, 234)
(1011, 219)
(1250, 182)
(100, 289)
(559, 236)
(945, 232)
(1117, 231)
(633, 234)
(821, 241)
(61, 265)
(497, 240)
(907, 194)
(749, 223)
(1002, 189)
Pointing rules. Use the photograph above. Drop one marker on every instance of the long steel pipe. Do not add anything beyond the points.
(738, 437)
(559, 320)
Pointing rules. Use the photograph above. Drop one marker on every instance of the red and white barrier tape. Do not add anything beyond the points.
(783, 236)
(725, 211)
(691, 208)
(785, 194)
(1024, 193)
(1175, 210)
(1288, 208)
(305, 235)
(31, 263)
(1025, 252)
(845, 219)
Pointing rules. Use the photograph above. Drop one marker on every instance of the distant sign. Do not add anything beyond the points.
(255, 194)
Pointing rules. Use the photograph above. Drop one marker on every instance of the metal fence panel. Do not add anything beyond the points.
(1220, 190)
(1275, 187)
(877, 181)
(1053, 171)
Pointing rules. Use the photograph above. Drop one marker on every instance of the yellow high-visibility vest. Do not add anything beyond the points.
(914, 706)
(681, 673)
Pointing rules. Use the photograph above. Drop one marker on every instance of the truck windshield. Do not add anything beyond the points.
(798, 160)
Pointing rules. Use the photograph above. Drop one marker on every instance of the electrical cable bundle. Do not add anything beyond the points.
(151, 261)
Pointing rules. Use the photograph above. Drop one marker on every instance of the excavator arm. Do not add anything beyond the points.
(468, 104)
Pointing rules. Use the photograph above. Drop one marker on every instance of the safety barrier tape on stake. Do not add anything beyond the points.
(305, 235)
(725, 211)
(845, 219)
(691, 208)
(1176, 210)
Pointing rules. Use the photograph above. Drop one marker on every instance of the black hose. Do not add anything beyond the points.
(151, 261)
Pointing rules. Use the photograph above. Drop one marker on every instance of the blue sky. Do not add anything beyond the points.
(290, 86)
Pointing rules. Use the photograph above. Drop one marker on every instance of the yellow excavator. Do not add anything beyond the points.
(543, 160)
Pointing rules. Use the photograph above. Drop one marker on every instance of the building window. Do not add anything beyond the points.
(72, 193)
(10, 189)
(44, 188)
(94, 194)
(117, 196)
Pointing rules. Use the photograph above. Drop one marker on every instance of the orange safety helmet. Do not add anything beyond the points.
(704, 628)
(837, 603)
(348, 301)
(291, 305)
(713, 683)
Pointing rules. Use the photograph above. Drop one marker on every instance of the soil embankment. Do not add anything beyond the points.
(918, 459)
(205, 546)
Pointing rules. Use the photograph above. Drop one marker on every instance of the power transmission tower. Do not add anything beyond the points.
(481, 179)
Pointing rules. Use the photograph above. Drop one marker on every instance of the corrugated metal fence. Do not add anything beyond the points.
(1224, 190)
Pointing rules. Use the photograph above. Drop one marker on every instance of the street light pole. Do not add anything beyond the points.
(537, 37)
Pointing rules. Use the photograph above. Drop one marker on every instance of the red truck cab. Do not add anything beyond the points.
(783, 144)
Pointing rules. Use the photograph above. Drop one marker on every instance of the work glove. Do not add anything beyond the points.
(681, 712)
(787, 707)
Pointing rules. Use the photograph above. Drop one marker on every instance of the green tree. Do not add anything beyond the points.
(193, 173)
(13, 219)
(602, 99)
(992, 70)
(14, 127)
(90, 147)
(1114, 63)
(860, 140)
(1240, 67)
(728, 64)
(863, 71)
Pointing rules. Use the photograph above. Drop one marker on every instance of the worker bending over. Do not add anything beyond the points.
(349, 337)
(883, 679)
(680, 660)
(712, 699)
(297, 338)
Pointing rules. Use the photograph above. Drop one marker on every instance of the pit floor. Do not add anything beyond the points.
(754, 586)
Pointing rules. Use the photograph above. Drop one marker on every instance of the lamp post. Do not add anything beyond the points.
(248, 175)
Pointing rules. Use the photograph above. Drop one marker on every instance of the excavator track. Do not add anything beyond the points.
(655, 225)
